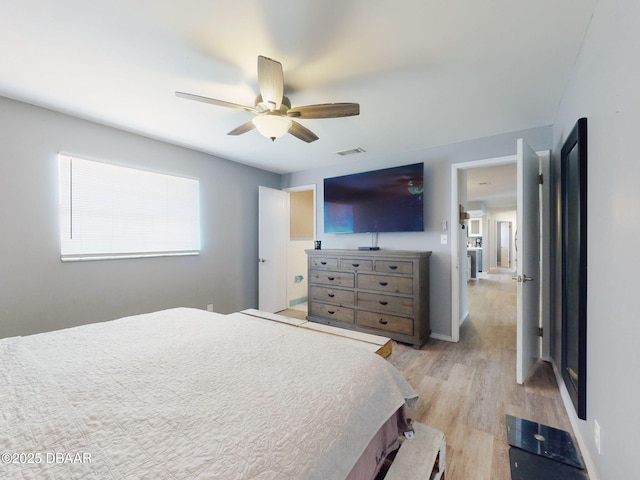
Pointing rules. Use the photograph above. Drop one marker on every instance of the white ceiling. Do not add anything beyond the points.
(425, 72)
(496, 186)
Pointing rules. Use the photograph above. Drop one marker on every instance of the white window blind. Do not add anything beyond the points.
(109, 211)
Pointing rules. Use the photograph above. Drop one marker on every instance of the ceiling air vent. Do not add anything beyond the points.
(351, 152)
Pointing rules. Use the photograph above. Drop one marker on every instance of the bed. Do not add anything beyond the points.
(189, 394)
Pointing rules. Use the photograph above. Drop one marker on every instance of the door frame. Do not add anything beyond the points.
(457, 316)
(458, 294)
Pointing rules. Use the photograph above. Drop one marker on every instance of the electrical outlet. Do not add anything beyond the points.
(210, 307)
(443, 239)
(596, 435)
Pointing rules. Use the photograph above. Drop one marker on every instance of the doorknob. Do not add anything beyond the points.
(525, 278)
(262, 260)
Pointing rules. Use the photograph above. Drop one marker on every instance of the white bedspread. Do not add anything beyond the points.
(187, 394)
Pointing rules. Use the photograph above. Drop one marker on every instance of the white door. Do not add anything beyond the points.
(528, 261)
(273, 232)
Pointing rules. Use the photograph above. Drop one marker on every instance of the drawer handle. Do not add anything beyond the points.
(382, 322)
(331, 295)
(393, 267)
(323, 263)
(331, 278)
(356, 265)
(331, 312)
(384, 284)
(383, 302)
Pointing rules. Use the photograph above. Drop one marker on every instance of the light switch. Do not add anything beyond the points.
(443, 239)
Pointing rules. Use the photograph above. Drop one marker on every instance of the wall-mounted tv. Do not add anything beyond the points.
(388, 200)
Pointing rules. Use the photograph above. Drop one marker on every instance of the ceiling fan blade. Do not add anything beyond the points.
(244, 128)
(325, 110)
(213, 101)
(303, 133)
(270, 81)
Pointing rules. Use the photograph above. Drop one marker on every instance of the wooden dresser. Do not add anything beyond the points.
(384, 292)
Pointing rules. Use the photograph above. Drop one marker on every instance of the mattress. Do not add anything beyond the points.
(189, 394)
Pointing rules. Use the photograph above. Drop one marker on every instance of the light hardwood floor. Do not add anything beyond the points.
(466, 388)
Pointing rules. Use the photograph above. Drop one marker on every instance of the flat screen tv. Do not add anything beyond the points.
(388, 200)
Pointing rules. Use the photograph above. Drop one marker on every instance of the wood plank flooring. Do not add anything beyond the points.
(466, 388)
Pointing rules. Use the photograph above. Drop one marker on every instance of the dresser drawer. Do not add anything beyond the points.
(392, 266)
(359, 264)
(339, 279)
(385, 283)
(386, 303)
(332, 295)
(324, 262)
(383, 321)
(331, 311)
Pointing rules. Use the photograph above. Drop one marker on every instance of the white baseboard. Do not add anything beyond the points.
(449, 338)
(573, 418)
(439, 336)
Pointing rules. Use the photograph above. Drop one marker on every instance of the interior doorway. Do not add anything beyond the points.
(525, 186)
(302, 232)
(490, 193)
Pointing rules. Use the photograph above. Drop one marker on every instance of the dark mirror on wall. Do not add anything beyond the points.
(574, 265)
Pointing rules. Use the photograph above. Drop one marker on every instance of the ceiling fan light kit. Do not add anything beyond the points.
(272, 126)
(273, 110)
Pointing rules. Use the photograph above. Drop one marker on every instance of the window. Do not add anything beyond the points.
(108, 211)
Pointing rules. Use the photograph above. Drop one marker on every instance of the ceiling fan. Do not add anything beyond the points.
(273, 112)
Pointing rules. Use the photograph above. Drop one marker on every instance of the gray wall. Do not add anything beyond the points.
(438, 162)
(605, 89)
(40, 293)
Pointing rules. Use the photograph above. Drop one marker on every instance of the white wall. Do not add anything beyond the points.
(39, 293)
(437, 182)
(605, 89)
